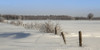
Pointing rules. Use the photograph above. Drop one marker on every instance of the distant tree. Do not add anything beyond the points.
(90, 16)
(19, 17)
(0, 15)
(2, 19)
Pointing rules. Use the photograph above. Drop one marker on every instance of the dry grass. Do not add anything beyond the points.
(49, 27)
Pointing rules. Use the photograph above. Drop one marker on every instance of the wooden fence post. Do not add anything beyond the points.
(80, 38)
(55, 30)
(63, 36)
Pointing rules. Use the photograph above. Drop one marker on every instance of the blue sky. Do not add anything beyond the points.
(50, 7)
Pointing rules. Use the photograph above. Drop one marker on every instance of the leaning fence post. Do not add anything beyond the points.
(80, 38)
(55, 30)
(63, 36)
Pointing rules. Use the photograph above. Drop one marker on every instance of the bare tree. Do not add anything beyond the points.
(2, 19)
(90, 16)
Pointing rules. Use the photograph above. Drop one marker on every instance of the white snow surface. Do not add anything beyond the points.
(18, 38)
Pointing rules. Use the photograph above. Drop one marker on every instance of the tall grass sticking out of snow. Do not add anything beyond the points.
(46, 27)
(49, 27)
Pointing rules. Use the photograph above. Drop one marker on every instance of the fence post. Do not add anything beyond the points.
(55, 30)
(63, 36)
(80, 38)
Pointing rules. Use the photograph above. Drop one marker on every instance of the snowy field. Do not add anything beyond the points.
(18, 38)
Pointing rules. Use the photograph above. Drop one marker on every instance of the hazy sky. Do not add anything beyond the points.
(50, 7)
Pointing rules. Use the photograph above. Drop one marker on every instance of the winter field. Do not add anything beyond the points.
(14, 37)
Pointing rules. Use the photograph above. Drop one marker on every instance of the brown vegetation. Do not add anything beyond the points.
(50, 17)
(38, 17)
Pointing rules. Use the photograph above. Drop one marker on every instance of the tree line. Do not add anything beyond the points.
(90, 16)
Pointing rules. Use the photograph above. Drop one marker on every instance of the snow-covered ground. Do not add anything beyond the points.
(18, 38)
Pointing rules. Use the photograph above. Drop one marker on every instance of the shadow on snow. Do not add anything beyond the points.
(16, 35)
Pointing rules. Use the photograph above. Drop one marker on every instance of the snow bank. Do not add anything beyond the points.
(18, 38)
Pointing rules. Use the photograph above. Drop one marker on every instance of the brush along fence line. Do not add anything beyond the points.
(47, 27)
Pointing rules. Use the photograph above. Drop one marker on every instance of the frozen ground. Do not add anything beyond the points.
(18, 38)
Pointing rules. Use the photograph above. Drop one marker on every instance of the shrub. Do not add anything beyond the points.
(58, 27)
(12, 22)
(49, 27)
(19, 23)
(2, 19)
(37, 26)
(28, 26)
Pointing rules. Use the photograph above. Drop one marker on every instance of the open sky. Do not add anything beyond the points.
(50, 7)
